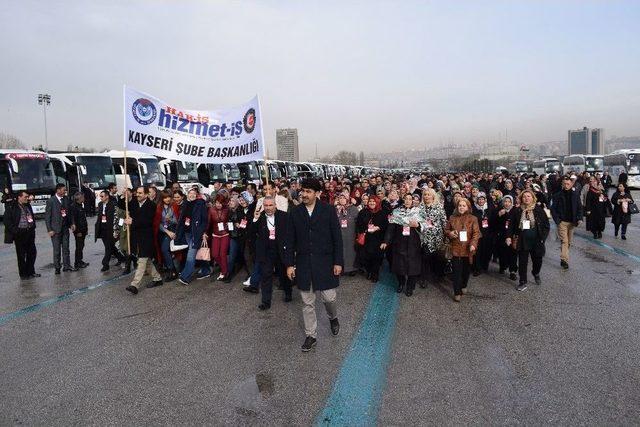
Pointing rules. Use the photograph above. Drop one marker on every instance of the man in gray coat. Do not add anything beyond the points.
(57, 218)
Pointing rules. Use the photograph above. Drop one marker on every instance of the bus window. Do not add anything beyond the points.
(4, 176)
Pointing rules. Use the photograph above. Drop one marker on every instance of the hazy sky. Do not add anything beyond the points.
(349, 75)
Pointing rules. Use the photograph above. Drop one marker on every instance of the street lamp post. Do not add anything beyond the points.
(44, 100)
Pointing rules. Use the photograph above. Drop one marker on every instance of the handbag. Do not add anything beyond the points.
(203, 254)
(360, 239)
(633, 208)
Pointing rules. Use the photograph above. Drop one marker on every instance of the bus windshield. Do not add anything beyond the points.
(634, 164)
(553, 166)
(233, 172)
(521, 167)
(187, 172)
(595, 164)
(99, 171)
(252, 171)
(154, 175)
(33, 174)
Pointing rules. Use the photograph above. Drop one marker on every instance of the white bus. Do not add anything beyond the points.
(547, 166)
(521, 166)
(27, 170)
(578, 163)
(186, 174)
(77, 169)
(142, 169)
(624, 161)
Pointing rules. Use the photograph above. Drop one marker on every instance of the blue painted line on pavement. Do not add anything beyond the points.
(357, 392)
(609, 247)
(67, 295)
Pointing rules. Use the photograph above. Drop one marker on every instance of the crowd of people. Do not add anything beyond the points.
(309, 232)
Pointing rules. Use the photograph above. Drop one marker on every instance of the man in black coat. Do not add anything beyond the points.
(105, 228)
(567, 212)
(313, 255)
(269, 231)
(79, 219)
(20, 228)
(140, 221)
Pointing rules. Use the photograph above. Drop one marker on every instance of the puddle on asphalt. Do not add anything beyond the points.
(249, 395)
(595, 257)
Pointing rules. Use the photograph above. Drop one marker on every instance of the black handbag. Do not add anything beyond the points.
(633, 208)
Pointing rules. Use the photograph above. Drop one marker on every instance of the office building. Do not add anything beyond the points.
(586, 141)
(287, 145)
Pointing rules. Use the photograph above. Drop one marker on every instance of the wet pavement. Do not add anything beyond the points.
(562, 353)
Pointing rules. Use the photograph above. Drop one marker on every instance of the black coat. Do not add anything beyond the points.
(542, 228)
(109, 226)
(618, 216)
(142, 228)
(12, 219)
(489, 215)
(314, 246)
(597, 211)
(373, 240)
(406, 250)
(260, 235)
(557, 206)
(79, 219)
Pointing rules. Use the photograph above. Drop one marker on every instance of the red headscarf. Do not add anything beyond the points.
(378, 204)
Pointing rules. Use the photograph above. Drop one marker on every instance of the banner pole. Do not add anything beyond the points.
(126, 176)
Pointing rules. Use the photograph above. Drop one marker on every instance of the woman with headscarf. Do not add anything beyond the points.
(485, 213)
(530, 229)
(463, 232)
(372, 221)
(347, 214)
(508, 258)
(432, 236)
(596, 207)
(402, 237)
(219, 230)
(621, 214)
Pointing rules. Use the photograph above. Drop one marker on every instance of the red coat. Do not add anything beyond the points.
(216, 216)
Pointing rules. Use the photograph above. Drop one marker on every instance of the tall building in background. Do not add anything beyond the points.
(287, 145)
(586, 141)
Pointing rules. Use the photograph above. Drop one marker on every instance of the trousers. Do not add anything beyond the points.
(460, 273)
(60, 243)
(523, 261)
(145, 265)
(219, 251)
(268, 267)
(79, 249)
(565, 234)
(26, 251)
(328, 297)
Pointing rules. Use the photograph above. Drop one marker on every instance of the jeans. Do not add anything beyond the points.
(624, 229)
(165, 248)
(190, 263)
(235, 251)
(256, 275)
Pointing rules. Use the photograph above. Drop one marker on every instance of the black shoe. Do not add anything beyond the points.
(155, 284)
(27, 277)
(288, 298)
(476, 273)
(408, 292)
(538, 280)
(57, 271)
(227, 279)
(264, 306)
(35, 275)
(564, 264)
(423, 284)
(400, 289)
(173, 275)
(132, 289)
(522, 286)
(368, 276)
(309, 343)
(351, 273)
(624, 237)
(82, 264)
(69, 269)
(104, 268)
(127, 270)
(250, 289)
(335, 326)
(512, 276)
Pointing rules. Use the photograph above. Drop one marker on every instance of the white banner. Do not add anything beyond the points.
(232, 135)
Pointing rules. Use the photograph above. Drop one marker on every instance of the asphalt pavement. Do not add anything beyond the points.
(78, 349)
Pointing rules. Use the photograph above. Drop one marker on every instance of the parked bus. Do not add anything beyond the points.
(27, 170)
(521, 166)
(186, 174)
(249, 172)
(142, 169)
(547, 166)
(624, 161)
(578, 163)
(227, 172)
(95, 170)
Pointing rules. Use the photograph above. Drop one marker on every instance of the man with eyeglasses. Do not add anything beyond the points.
(20, 228)
(140, 222)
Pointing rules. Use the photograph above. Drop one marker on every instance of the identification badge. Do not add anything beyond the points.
(272, 234)
(121, 222)
(526, 224)
(221, 226)
(29, 218)
(506, 225)
(463, 236)
(243, 223)
(429, 223)
(601, 198)
(230, 226)
(187, 221)
(63, 212)
(485, 223)
(406, 230)
(104, 219)
(371, 229)
(343, 223)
